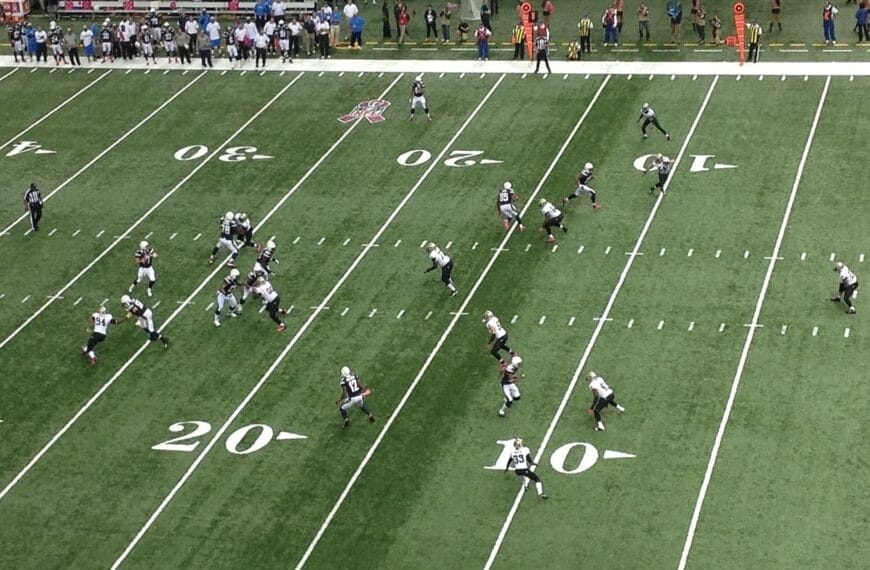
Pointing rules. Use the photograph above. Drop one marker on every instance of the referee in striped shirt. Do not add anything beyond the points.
(754, 32)
(542, 45)
(585, 27)
(33, 204)
(519, 35)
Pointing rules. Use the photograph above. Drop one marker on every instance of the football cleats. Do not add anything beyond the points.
(345, 371)
(234, 273)
(431, 246)
(125, 299)
(508, 185)
(487, 315)
(518, 443)
(143, 244)
(588, 166)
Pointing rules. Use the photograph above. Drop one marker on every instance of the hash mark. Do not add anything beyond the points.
(555, 247)
(514, 319)
(101, 233)
(473, 247)
(846, 333)
(197, 236)
(449, 243)
(24, 300)
(528, 247)
(861, 258)
(423, 243)
(104, 301)
(661, 325)
(149, 235)
(542, 319)
(323, 239)
(224, 72)
(833, 257)
(398, 241)
(783, 329)
(372, 314)
(691, 251)
(746, 254)
(209, 306)
(721, 327)
(173, 236)
(79, 300)
(52, 232)
(429, 314)
(662, 252)
(295, 241)
(815, 331)
(344, 312)
(691, 326)
(803, 256)
(346, 241)
(571, 321)
(402, 312)
(718, 253)
(579, 251)
(77, 232)
(630, 323)
(607, 251)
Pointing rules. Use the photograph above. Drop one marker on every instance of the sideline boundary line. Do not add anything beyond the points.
(370, 244)
(68, 100)
(120, 238)
(443, 338)
(750, 335)
(598, 328)
(104, 152)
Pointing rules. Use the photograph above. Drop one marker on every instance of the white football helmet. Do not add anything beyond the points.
(588, 166)
(659, 156)
(487, 315)
(508, 185)
(234, 273)
(431, 246)
(125, 299)
(345, 371)
(143, 244)
(270, 245)
(241, 217)
(646, 105)
(592, 375)
(518, 443)
(838, 266)
(228, 216)
(542, 202)
(102, 310)
(516, 361)
(260, 280)
(165, 24)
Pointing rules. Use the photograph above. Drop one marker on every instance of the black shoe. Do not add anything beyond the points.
(564, 229)
(371, 419)
(835, 299)
(165, 344)
(346, 424)
(544, 497)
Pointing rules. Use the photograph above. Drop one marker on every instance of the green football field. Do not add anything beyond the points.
(707, 309)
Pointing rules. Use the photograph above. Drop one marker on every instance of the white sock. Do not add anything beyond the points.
(91, 354)
(540, 488)
(620, 408)
(451, 286)
(601, 425)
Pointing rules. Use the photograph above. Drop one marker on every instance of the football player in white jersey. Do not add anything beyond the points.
(98, 326)
(505, 204)
(353, 393)
(848, 286)
(582, 187)
(602, 396)
(245, 230)
(498, 337)
(552, 219)
(649, 118)
(509, 376)
(145, 319)
(418, 98)
(263, 289)
(662, 165)
(226, 239)
(225, 296)
(442, 260)
(144, 259)
(522, 462)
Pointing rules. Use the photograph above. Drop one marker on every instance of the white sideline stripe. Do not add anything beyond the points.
(551, 429)
(750, 334)
(429, 359)
(302, 329)
(130, 361)
(55, 110)
(109, 149)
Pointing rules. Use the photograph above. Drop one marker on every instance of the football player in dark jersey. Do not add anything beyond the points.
(353, 393)
(418, 98)
(145, 317)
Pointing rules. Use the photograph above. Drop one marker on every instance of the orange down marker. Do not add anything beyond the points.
(526, 11)
(740, 25)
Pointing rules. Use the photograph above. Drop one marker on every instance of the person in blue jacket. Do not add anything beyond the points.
(261, 13)
(30, 34)
(356, 29)
(204, 19)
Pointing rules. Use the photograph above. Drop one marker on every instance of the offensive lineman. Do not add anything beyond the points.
(649, 118)
(521, 459)
(603, 396)
(506, 208)
(228, 228)
(98, 326)
(263, 289)
(144, 259)
(848, 285)
(662, 165)
(145, 317)
(442, 260)
(498, 337)
(582, 187)
(509, 376)
(553, 217)
(352, 394)
(418, 97)
(225, 295)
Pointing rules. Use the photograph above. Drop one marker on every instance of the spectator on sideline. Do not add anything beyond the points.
(260, 45)
(334, 27)
(775, 10)
(295, 34)
(87, 39)
(861, 23)
(261, 11)
(269, 29)
(183, 49)
(701, 25)
(716, 24)
(357, 23)
(397, 12)
(310, 27)
(41, 45)
(279, 8)
(214, 34)
(642, 22)
(694, 11)
(619, 5)
(445, 24)
(72, 47)
(323, 38)
(203, 45)
(547, 9)
(191, 28)
(430, 17)
(675, 15)
(385, 13)
(494, 6)
(585, 28)
(828, 13)
(404, 20)
(30, 34)
(484, 16)
(610, 26)
(350, 10)
(482, 35)
(462, 28)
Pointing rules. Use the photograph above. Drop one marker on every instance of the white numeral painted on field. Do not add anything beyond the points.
(235, 443)
(27, 146)
(561, 459)
(458, 158)
(231, 154)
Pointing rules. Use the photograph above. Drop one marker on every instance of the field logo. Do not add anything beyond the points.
(372, 111)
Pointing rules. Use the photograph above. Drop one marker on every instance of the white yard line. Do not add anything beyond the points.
(117, 374)
(429, 359)
(107, 150)
(118, 239)
(302, 329)
(750, 334)
(8, 74)
(70, 99)
(597, 332)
